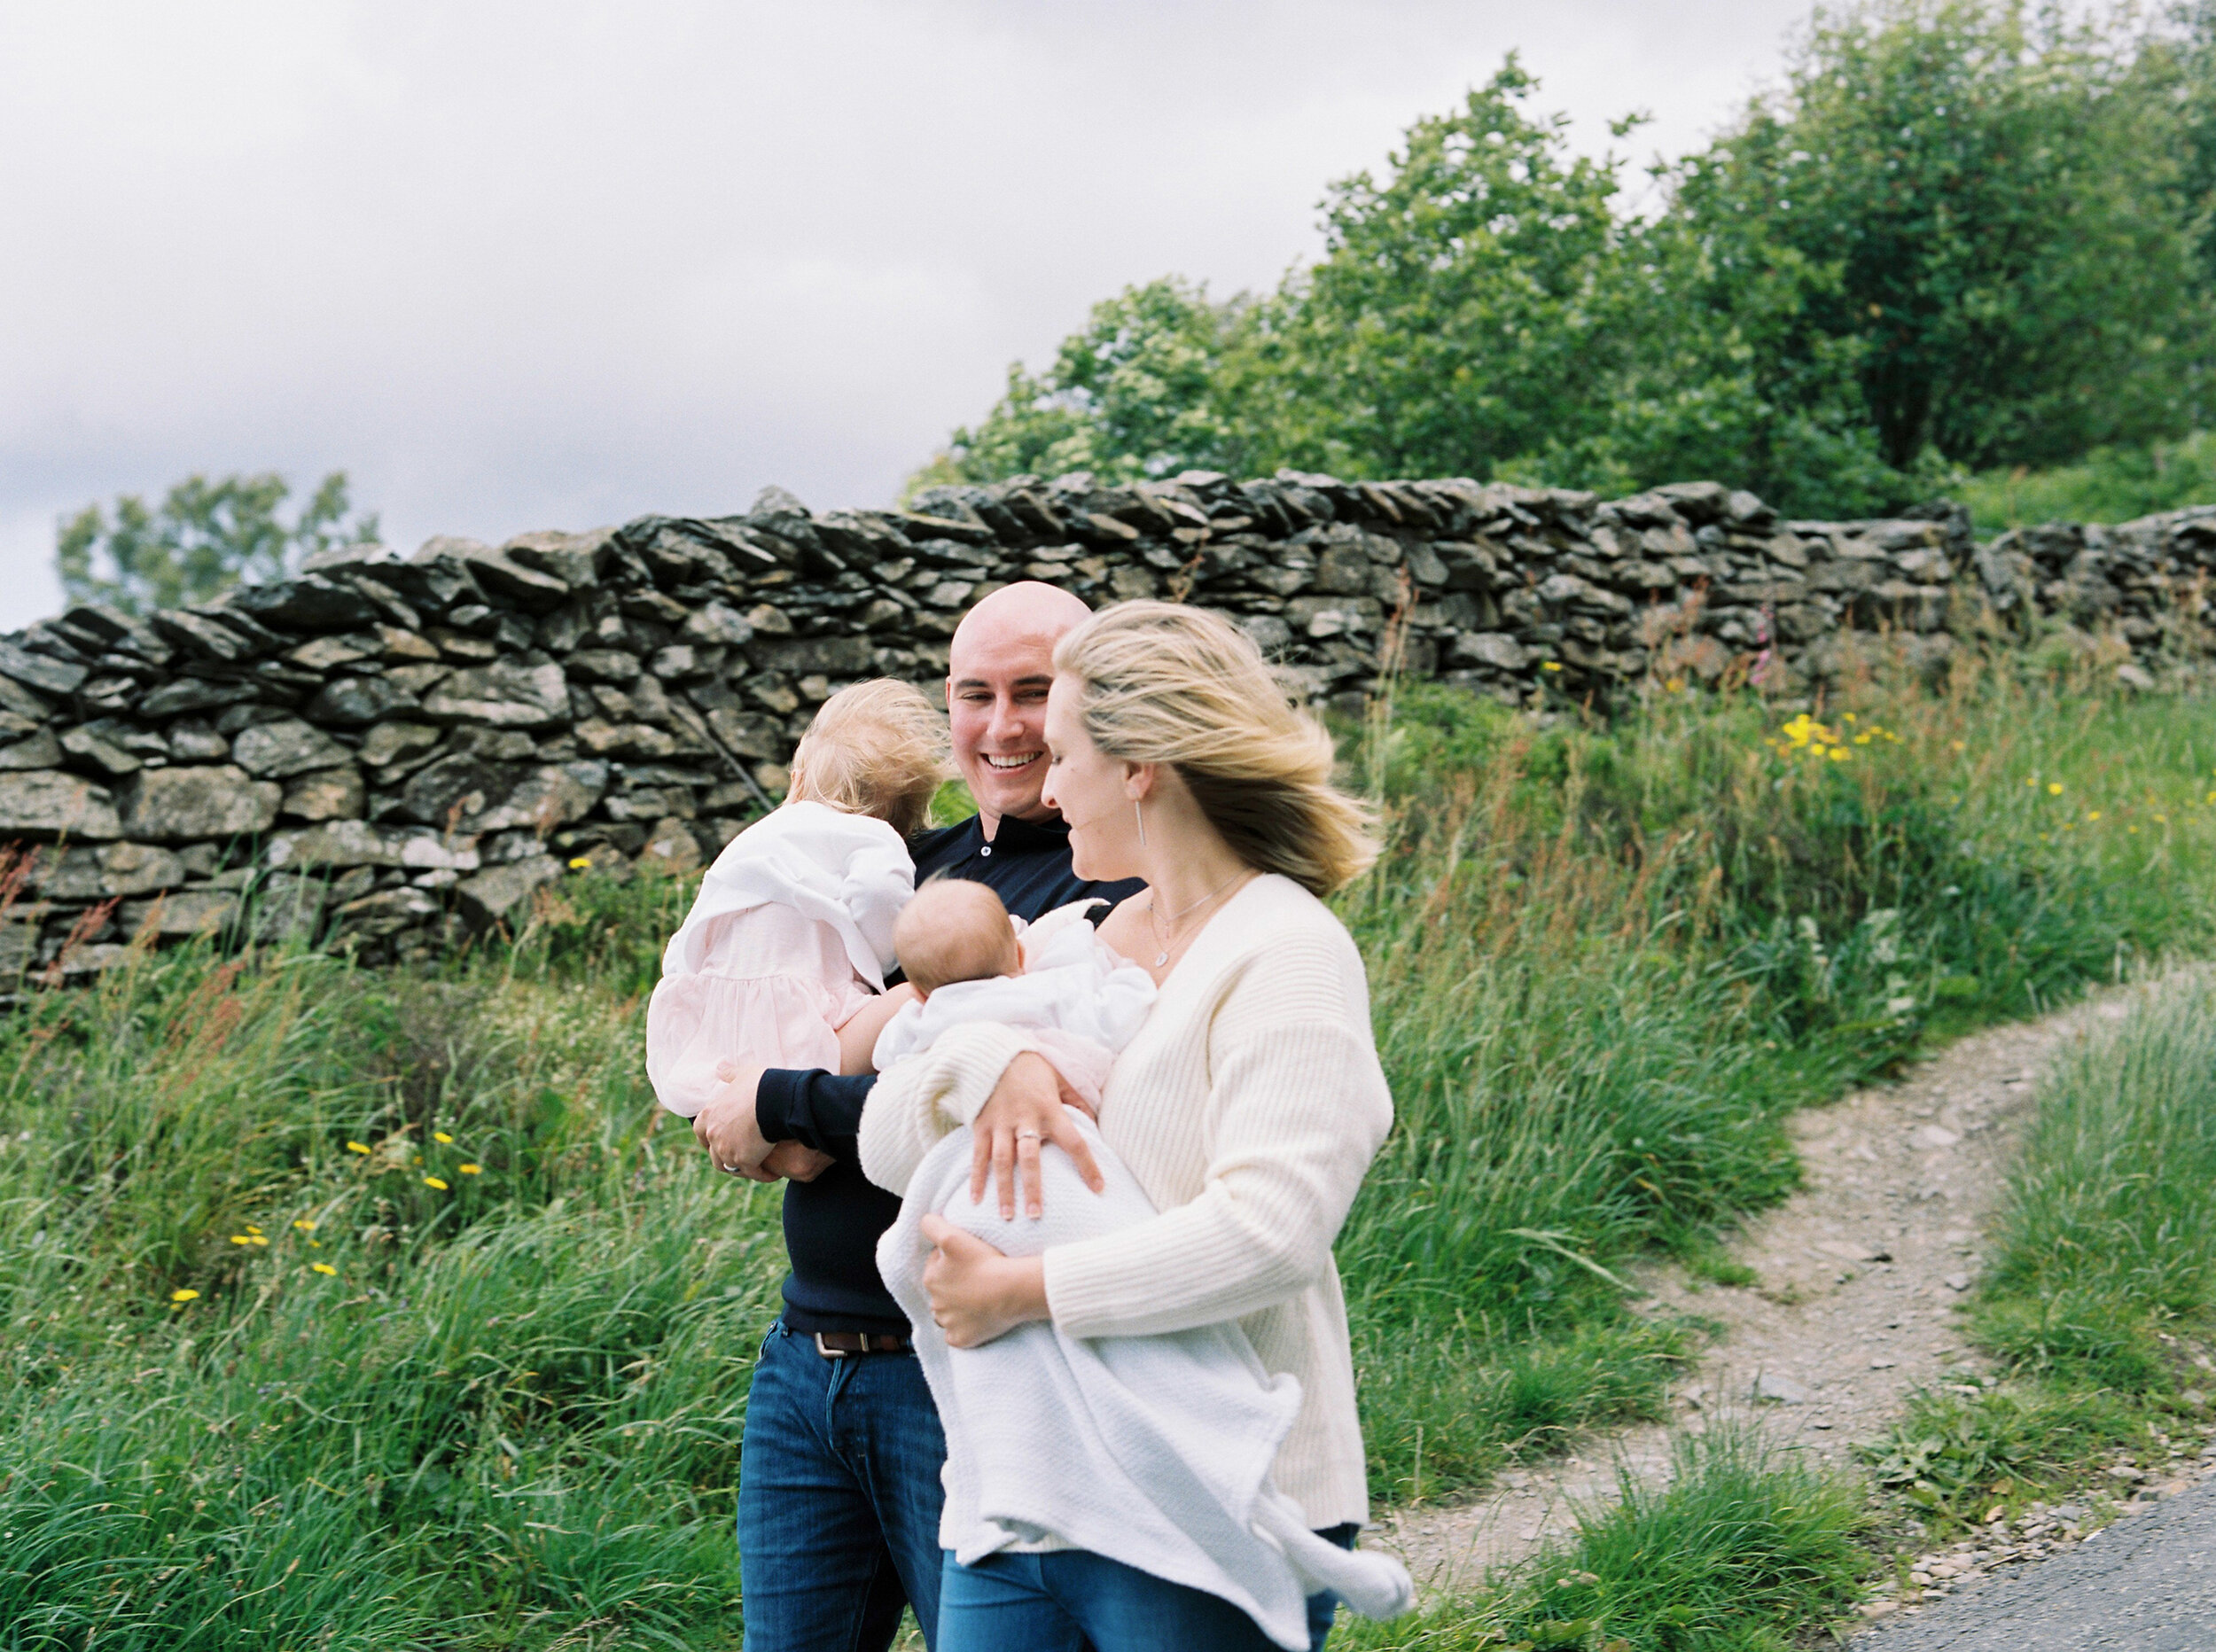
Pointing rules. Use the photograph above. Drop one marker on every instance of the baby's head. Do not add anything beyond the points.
(953, 930)
(875, 748)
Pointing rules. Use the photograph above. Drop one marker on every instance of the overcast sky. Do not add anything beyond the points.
(554, 264)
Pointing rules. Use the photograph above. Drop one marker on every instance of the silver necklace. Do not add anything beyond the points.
(1154, 917)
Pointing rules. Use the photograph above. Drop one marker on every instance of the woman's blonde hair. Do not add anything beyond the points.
(875, 748)
(1183, 687)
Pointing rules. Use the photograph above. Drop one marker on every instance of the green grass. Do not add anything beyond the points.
(1742, 1550)
(2108, 484)
(2100, 1300)
(1608, 962)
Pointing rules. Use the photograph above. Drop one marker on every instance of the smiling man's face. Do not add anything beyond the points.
(999, 668)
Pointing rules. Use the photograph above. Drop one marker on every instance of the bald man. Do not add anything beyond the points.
(839, 1473)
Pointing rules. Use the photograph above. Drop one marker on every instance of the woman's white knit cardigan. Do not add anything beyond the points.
(1248, 1106)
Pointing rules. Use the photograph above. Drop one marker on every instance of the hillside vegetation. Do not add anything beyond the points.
(342, 1308)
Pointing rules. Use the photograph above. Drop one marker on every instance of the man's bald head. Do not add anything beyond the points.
(1029, 612)
(999, 667)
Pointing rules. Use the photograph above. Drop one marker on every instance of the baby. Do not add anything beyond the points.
(967, 960)
(1159, 1445)
(791, 933)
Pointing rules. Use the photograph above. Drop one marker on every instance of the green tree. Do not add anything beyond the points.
(1469, 306)
(203, 538)
(2006, 203)
(1147, 387)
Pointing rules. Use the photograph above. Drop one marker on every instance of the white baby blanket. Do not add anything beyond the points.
(1154, 1451)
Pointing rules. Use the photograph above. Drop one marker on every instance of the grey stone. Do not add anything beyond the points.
(1495, 648)
(352, 701)
(192, 741)
(572, 558)
(505, 696)
(357, 843)
(86, 742)
(41, 751)
(47, 803)
(715, 624)
(387, 912)
(670, 848)
(308, 604)
(172, 805)
(276, 750)
(1779, 1391)
(603, 665)
(500, 893)
(194, 694)
(324, 794)
(391, 744)
(181, 912)
(52, 676)
(137, 869)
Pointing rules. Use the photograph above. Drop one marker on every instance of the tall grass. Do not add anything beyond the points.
(346, 1309)
(1741, 1549)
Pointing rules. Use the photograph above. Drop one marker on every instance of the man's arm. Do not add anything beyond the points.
(818, 1110)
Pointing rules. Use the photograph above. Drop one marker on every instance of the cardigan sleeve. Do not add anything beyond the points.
(922, 1098)
(1296, 1107)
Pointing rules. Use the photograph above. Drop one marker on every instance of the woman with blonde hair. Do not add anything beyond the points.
(1248, 1106)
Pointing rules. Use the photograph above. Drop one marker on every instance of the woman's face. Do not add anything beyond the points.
(1091, 791)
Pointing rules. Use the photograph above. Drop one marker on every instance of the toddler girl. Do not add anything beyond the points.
(791, 932)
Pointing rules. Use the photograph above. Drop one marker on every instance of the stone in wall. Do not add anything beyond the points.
(394, 750)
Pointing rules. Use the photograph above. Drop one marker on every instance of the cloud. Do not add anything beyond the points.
(552, 264)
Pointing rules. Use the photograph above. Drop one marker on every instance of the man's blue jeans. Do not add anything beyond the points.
(1074, 1600)
(839, 1500)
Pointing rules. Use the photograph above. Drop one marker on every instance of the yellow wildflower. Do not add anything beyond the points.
(1548, 665)
(323, 1267)
(432, 1182)
(469, 1170)
(440, 1135)
(1839, 754)
(581, 863)
(2054, 788)
(305, 1226)
(356, 1147)
(2092, 814)
(184, 1295)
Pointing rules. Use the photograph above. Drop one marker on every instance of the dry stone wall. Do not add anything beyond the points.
(394, 748)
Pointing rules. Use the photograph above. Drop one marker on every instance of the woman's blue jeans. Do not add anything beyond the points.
(1072, 1598)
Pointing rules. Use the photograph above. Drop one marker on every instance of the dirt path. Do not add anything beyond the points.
(1859, 1274)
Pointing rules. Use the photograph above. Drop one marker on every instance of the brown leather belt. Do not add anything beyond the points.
(845, 1344)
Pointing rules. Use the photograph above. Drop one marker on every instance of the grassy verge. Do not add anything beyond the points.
(2108, 484)
(1608, 962)
(2099, 1301)
(1743, 1551)
(344, 1309)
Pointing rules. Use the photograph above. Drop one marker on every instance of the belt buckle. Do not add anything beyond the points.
(827, 1351)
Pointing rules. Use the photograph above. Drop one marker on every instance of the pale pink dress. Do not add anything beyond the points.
(791, 933)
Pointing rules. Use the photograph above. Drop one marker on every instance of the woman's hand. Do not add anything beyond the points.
(1027, 1108)
(976, 1293)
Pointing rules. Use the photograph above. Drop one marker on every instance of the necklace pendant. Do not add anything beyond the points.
(1160, 958)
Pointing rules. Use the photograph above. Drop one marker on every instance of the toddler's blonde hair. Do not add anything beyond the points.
(875, 748)
(955, 930)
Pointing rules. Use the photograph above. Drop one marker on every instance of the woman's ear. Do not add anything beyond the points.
(1138, 781)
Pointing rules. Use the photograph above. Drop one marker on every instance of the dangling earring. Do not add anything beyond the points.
(1138, 812)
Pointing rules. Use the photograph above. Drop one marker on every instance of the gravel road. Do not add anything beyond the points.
(2146, 1584)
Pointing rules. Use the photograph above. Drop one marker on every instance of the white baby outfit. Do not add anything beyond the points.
(1154, 1451)
(1081, 1001)
(790, 932)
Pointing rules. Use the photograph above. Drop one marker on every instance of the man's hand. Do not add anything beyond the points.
(1025, 1109)
(976, 1293)
(727, 1128)
(794, 1162)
